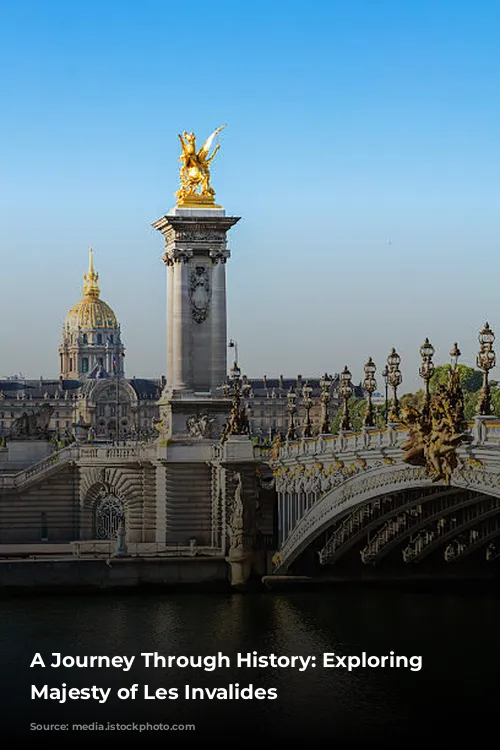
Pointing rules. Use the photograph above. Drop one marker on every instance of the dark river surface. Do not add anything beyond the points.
(453, 695)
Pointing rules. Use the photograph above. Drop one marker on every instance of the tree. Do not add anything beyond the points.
(357, 412)
(415, 400)
(470, 379)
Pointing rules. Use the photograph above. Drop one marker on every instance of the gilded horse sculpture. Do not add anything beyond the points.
(195, 170)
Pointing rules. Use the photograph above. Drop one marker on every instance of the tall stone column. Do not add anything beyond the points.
(195, 255)
(180, 323)
(219, 320)
(170, 315)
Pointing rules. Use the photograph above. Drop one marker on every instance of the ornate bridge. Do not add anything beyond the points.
(353, 496)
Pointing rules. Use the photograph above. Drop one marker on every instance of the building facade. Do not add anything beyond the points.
(92, 385)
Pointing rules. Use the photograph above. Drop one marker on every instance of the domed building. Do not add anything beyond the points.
(92, 353)
(91, 386)
(91, 344)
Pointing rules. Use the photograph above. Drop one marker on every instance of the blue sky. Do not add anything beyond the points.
(361, 152)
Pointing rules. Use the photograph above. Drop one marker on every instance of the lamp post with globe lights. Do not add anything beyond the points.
(291, 406)
(325, 384)
(486, 360)
(308, 403)
(346, 393)
(426, 372)
(369, 385)
(395, 379)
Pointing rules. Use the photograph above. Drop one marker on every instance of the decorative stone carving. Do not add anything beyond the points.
(207, 236)
(436, 432)
(177, 255)
(162, 426)
(33, 426)
(235, 527)
(219, 255)
(199, 293)
(200, 426)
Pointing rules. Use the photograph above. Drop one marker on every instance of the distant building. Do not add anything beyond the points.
(92, 385)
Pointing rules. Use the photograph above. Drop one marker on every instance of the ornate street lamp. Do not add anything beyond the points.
(238, 416)
(369, 385)
(235, 373)
(308, 403)
(426, 371)
(233, 345)
(385, 375)
(325, 384)
(291, 406)
(486, 360)
(346, 393)
(395, 380)
(455, 353)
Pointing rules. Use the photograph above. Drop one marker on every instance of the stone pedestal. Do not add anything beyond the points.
(190, 416)
(121, 543)
(81, 429)
(392, 428)
(368, 435)
(483, 425)
(240, 567)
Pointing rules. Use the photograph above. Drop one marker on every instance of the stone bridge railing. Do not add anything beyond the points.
(485, 431)
(107, 454)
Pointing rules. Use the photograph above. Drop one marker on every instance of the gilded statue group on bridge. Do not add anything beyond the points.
(435, 432)
(195, 189)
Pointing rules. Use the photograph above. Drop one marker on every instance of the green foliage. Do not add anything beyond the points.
(415, 400)
(357, 412)
(470, 405)
(470, 379)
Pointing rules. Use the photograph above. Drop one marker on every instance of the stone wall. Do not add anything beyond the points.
(89, 574)
(47, 509)
(188, 503)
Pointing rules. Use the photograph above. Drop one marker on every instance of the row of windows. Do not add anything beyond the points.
(110, 409)
(98, 338)
(85, 364)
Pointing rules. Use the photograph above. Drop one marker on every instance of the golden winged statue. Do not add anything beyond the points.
(435, 433)
(195, 186)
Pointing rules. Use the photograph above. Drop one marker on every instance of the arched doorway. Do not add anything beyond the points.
(109, 513)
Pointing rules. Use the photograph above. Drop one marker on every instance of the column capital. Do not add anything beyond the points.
(219, 255)
(176, 255)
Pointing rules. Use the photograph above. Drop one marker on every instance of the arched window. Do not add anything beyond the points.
(84, 338)
(85, 364)
(99, 338)
(108, 515)
(71, 364)
(110, 338)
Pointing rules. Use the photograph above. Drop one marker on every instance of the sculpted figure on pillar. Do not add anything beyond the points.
(195, 170)
(236, 523)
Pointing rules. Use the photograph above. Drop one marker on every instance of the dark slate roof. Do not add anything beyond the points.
(145, 388)
(36, 389)
(263, 387)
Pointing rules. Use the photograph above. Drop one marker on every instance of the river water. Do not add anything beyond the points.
(455, 691)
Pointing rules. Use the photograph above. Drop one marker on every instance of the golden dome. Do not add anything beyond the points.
(91, 312)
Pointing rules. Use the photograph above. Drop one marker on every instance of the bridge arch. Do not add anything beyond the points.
(366, 486)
